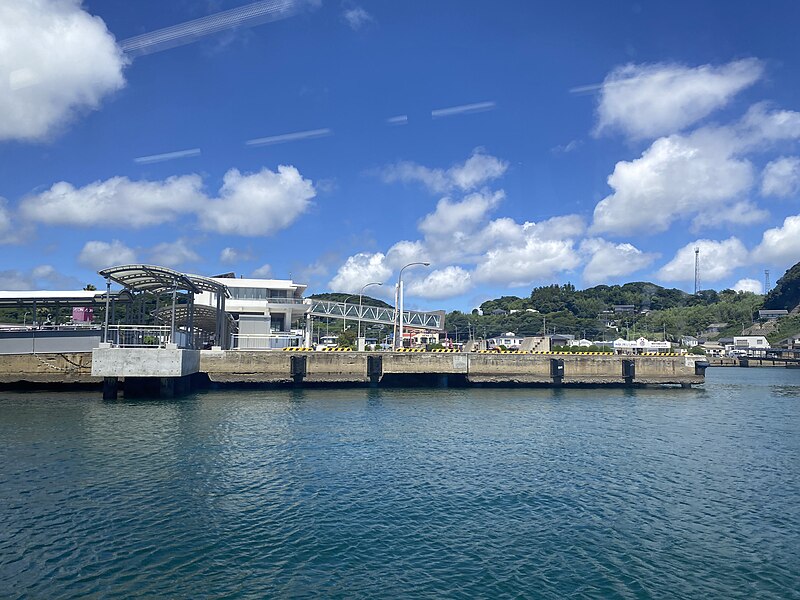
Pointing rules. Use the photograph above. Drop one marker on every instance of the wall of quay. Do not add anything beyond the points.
(353, 368)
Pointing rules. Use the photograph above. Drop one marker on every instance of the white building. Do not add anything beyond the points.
(747, 345)
(266, 311)
(640, 346)
(509, 339)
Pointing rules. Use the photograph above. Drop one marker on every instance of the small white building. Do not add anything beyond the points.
(640, 346)
(747, 345)
(417, 338)
(582, 343)
(509, 340)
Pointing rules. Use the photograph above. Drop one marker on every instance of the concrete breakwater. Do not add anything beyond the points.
(385, 368)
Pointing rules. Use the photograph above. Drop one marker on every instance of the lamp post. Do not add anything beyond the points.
(400, 300)
(344, 313)
(360, 298)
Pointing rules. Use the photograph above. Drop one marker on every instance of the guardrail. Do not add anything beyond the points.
(248, 341)
(139, 336)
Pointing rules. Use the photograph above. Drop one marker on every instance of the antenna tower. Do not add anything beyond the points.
(766, 280)
(696, 270)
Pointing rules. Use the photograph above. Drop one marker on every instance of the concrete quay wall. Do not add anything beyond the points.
(47, 368)
(353, 367)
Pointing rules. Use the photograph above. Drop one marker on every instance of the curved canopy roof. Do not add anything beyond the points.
(209, 285)
(150, 278)
(205, 317)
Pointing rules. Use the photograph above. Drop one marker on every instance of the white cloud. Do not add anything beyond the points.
(57, 61)
(98, 255)
(647, 101)
(749, 285)
(259, 203)
(704, 172)
(781, 177)
(517, 265)
(173, 254)
(677, 176)
(12, 280)
(460, 217)
(262, 272)
(405, 252)
(10, 233)
(360, 269)
(116, 201)
(717, 261)
(230, 255)
(356, 17)
(442, 283)
(738, 213)
(780, 245)
(609, 260)
(477, 170)
(42, 277)
(48, 277)
(762, 126)
(248, 204)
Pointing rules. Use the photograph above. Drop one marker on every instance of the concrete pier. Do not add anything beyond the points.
(436, 369)
(164, 372)
(154, 371)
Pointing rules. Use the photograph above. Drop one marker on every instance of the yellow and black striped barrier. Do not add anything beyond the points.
(444, 350)
(298, 349)
(336, 349)
(410, 350)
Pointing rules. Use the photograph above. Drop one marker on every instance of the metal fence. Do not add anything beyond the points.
(139, 336)
(252, 341)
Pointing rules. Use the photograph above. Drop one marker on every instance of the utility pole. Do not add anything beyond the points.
(766, 280)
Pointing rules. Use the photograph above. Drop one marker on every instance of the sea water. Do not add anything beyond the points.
(460, 493)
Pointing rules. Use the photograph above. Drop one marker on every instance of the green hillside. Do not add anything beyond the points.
(786, 293)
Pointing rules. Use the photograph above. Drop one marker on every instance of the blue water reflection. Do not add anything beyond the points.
(385, 493)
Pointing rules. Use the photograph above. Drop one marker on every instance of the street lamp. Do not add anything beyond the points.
(399, 303)
(344, 313)
(360, 298)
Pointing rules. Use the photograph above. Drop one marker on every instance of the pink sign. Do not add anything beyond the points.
(82, 314)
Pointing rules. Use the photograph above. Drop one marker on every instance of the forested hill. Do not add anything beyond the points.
(786, 293)
(592, 301)
(656, 311)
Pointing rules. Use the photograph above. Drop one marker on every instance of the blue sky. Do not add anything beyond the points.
(510, 144)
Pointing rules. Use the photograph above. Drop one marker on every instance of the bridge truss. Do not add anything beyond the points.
(376, 314)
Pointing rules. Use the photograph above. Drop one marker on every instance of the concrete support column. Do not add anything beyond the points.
(166, 387)
(110, 388)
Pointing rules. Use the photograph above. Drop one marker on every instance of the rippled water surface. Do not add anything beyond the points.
(658, 493)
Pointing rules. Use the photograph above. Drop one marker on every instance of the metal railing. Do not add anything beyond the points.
(251, 341)
(139, 336)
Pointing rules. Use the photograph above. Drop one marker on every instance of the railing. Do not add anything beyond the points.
(139, 336)
(251, 341)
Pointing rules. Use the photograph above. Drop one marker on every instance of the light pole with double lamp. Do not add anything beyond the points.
(360, 298)
(399, 303)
